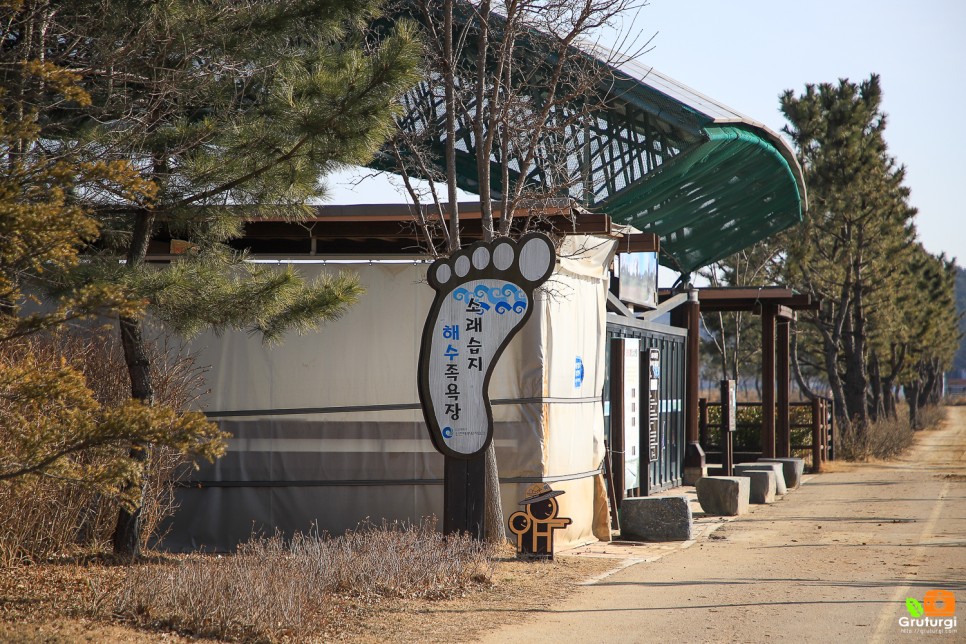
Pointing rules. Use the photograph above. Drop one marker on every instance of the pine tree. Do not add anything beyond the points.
(933, 318)
(857, 223)
(51, 423)
(232, 112)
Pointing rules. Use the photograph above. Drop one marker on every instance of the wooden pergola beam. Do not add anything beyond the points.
(639, 243)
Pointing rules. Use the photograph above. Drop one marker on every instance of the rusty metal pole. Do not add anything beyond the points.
(768, 380)
(818, 425)
(782, 355)
(694, 461)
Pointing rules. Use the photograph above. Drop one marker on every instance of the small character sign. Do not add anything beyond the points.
(534, 525)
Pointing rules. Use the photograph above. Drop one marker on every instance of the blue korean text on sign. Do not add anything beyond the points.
(578, 372)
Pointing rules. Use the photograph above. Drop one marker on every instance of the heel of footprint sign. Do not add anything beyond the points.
(484, 295)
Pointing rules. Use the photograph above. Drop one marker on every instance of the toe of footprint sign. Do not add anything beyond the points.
(484, 295)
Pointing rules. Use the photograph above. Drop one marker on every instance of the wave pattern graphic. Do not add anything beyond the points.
(502, 298)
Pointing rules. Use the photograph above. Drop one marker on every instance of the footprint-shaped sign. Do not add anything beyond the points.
(484, 295)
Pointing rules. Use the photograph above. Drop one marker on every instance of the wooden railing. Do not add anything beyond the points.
(816, 450)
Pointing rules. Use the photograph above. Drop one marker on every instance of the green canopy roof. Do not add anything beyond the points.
(733, 183)
(722, 195)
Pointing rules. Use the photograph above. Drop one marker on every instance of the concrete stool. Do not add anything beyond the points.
(656, 518)
(794, 468)
(723, 495)
(769, 467)
(761, 486)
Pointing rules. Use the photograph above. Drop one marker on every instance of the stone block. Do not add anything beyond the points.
(777, 468)
(761, 487)
(793, 467)
(656, 518)
(723, 495)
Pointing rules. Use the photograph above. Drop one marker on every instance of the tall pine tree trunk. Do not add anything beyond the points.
(876, 406)
(911, 392)
(127, 532)
(830, 354)
(889, 397)
(856, 380)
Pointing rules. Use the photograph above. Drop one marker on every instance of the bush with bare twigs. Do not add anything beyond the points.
(44, 515)
(276, 589)
(887, 437)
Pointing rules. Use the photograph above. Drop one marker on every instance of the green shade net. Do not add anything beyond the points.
(719, 197)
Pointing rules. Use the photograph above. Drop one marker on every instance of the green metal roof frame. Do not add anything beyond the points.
(662, 158)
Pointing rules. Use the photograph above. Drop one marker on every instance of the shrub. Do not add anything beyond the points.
(883, 439)
(931, 416)
(71, 508)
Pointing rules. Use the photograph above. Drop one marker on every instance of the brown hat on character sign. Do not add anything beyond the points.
(539, 492)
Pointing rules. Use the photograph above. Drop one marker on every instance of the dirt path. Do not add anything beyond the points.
(832, 562)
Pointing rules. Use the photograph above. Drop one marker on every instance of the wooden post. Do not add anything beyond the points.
(694, 461)
(463, 495)
(818, 423)
(768, 381)
(703, 422)
(782, 355)
(615, 523)
(827, 420)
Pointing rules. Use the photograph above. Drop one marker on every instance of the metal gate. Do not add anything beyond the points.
(665, 471)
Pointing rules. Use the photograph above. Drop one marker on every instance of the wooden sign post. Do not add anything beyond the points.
(484, 295)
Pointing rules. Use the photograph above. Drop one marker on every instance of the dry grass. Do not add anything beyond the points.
(275, 589)
(74, 600)
(932, 416)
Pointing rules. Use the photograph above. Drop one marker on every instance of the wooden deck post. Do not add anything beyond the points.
(703, 422)
(818, 427)
(694, 462)
(768, 380)
(782, 358)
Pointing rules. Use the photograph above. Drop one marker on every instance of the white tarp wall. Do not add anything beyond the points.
(327, 429)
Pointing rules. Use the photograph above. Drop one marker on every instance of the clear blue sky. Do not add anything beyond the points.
(744, 53)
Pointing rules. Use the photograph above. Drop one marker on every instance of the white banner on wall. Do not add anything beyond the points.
(632, 412)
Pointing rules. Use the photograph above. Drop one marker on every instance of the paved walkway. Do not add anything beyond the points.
(831, 562)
